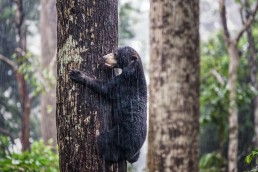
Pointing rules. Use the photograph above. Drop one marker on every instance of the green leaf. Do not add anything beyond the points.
(249, 158)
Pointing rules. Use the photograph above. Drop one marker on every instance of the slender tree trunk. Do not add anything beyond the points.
(174, 86)
(48, 55)
(22, 86)
(25, 117)
(255, 100)
(234, 58)
(233, 109)
(252, 62)
(86, 30)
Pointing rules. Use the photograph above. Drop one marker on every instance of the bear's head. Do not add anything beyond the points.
(121, 58)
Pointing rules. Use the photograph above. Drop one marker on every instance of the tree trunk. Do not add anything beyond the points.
(22, 86)
(174, 86)
(233, 109)
(252, 62)
(86, 30)
(25, 116)
(48, 61)
(234, 58)
(255, 102)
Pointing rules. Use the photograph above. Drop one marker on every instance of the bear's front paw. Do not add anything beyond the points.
(76, 76)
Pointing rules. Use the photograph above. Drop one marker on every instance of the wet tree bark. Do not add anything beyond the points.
(86, 30)
(174, 86)
(48, 61)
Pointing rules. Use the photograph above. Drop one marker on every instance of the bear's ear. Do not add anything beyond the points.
(135, 56)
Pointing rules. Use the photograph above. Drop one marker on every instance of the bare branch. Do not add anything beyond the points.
(9, 62)
(248, 23)
(219, 78)
(223, 16)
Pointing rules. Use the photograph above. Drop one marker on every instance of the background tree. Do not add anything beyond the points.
(233, 52)
(25, 99)
(7, 26)
(174, 86)
(214, 104)
(252, 61)
(86, 30)
(21, 67)
(48, 61)
(126, 22)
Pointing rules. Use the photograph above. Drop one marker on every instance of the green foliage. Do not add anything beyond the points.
(214, 92)
(215, 103)
(250, 158)
(31, 9)
(253, 155)
(126, 22)
(8, 102)
(30, 68)
(40, 158)
(10, 107)
(4, 144)
(211, 162)
(130, 168)
(6, 13)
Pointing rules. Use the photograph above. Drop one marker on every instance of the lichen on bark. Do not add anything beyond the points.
(70, 53)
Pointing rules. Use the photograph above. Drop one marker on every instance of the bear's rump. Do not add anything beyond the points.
(131, 139)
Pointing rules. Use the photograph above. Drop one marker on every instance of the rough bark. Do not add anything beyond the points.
(86, 30)
(48, 55)
(174, 86)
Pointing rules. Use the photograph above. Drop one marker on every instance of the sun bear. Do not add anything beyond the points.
(127, 93)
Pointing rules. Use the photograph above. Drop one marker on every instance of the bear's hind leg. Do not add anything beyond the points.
(108, 145)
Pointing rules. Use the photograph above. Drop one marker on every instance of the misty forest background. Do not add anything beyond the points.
(28, 81)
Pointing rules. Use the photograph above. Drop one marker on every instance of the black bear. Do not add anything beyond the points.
(128, 95)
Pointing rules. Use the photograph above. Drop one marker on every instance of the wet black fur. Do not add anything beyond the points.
(128, 95)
